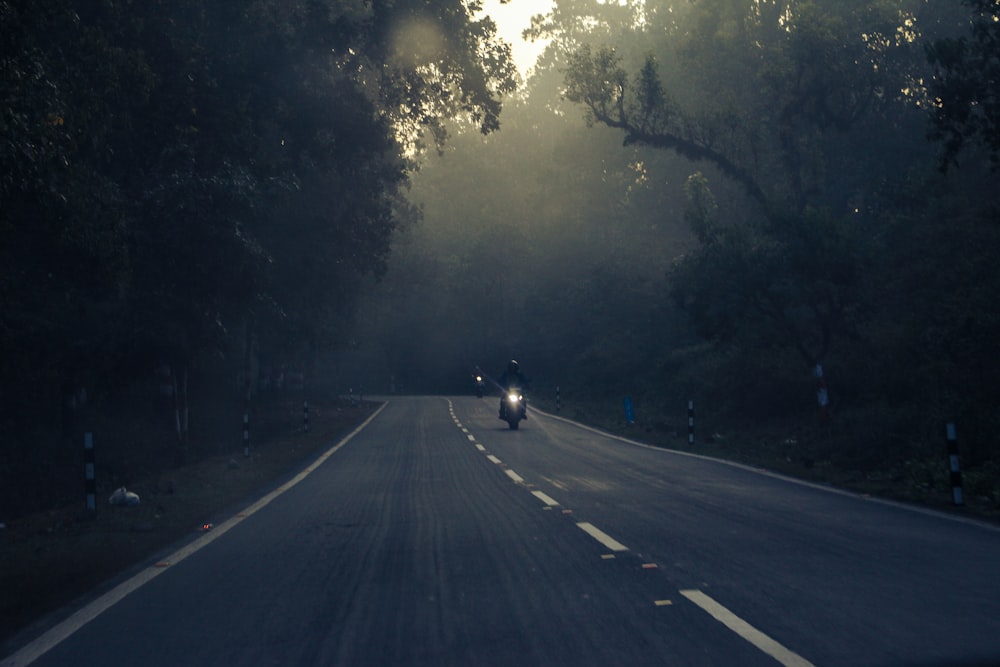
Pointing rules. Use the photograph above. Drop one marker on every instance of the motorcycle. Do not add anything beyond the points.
(480, 386)
(513, 407)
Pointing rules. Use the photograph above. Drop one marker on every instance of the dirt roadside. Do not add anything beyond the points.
(53, 558)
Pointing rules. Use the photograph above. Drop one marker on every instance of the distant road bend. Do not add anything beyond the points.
(436, 536)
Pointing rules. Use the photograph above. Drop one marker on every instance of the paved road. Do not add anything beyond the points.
(435, 536)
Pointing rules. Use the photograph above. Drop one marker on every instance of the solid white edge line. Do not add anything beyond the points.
(602, 537)
(545, 498)
(55, 635)
(745, 630)
(774, 475)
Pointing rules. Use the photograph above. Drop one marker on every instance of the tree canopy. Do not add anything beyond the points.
(199, 189)
(761, 165)
(682, 193)
(175, 171)
(965, 94)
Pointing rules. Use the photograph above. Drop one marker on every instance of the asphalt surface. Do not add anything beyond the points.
(436, 536)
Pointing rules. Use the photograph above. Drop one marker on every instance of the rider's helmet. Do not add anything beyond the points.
(512, 366)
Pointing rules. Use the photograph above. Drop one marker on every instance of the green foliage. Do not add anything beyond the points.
(702, 210)
(789, 280)
(965, 93)
(156, 147)
(841, 249)
(816, 230)
(183, 182)
(597, 81)
(769, 89)
(600, 83)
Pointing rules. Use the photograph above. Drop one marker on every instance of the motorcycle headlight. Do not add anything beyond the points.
(513, 398)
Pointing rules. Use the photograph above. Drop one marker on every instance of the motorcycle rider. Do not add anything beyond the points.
(512, 377)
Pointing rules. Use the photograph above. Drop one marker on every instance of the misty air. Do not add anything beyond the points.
(492, 332)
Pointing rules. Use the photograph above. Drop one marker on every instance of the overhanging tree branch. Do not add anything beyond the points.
(599, 83)
(695, 152)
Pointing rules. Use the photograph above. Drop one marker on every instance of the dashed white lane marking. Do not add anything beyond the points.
(746, 631)
(55, 636)
(544, 498)
(751, 634)
(514, 476)
(602, 537)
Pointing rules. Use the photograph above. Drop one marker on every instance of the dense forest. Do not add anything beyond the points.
(191, 193)
(698, 199)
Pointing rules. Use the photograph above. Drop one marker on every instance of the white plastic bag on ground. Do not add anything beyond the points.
(123, 496)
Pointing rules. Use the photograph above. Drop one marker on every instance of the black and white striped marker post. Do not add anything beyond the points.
(558, 403)
(305, 416)
(956, 472)
(89, 471)
(690, 422)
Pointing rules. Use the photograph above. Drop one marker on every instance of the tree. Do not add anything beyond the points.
(753, 88)
(162, 139)
(778, 98)
(782, 281)
(63, 242)
(178, 177)
(965, 92)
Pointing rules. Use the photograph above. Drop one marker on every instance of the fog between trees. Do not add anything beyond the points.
(686, 200)
(705, 200)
